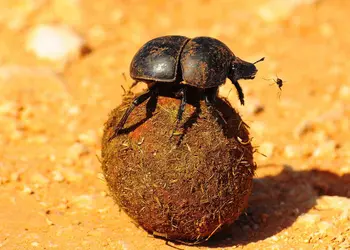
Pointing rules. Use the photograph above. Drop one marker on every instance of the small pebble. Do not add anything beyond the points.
(49, 222)
(28, 190)
(89, 138)
(57, 176)
(76, 150)
(326, 149)
(15, 176)
(72, 176)
(55, 42)
(84, 201)
(35, 244)
(74, 110)
(291, 151)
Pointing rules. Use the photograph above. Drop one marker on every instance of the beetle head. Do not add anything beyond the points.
(243, 70)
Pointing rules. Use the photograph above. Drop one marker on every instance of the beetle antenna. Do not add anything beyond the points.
(124, 76)
(260, 60)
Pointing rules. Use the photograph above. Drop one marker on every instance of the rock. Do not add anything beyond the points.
(76, 150)
(27, 190)
(57, 176)
(72, 176)
(325, 149)
(84, 201)
(89, 137)
(55, 42)
(35, 244)
(73, 110)
(291, 151)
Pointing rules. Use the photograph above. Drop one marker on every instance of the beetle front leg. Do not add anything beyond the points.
(136, 102)
(182, 94)
(239, 92)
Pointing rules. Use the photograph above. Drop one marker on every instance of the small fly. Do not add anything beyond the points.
(279, 82)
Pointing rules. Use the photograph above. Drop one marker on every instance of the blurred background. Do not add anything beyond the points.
(62, 65)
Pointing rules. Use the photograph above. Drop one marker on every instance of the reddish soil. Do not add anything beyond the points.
(52, 192)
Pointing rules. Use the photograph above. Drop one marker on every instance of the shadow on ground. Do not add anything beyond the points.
(277, 202)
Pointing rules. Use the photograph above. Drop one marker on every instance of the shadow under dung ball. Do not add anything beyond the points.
(185, 188)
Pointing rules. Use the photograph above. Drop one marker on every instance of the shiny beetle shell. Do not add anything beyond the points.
(202, 62)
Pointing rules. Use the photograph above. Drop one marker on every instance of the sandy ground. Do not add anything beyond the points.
(52, 193)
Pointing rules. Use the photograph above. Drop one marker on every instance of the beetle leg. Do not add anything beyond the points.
(136, 102)
(239, 91)
(182, 94)
(210, 99)
(152, 103)
(134, 84)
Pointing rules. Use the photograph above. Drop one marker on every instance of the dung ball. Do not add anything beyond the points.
(186, 187)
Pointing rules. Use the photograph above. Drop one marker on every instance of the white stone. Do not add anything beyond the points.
(57, 176)
(291, 151)
(54, 42)
(325, 149)
(89, 137)
(84, 201)
(76, 150)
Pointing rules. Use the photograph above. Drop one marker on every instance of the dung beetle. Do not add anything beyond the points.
(201, 62)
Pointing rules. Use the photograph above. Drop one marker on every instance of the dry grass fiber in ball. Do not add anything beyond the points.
(185, 188)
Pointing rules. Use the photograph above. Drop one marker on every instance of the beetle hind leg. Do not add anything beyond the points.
(182, 94)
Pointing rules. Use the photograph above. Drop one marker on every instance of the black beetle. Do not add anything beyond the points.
(202, 62)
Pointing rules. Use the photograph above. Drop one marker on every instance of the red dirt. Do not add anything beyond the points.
(52, 194)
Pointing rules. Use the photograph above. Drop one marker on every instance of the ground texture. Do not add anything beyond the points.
(52, 111)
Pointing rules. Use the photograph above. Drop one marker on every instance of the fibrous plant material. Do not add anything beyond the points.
(183, 188)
